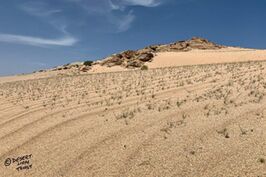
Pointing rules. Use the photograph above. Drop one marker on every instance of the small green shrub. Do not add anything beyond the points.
(144, 67)
(88, 63)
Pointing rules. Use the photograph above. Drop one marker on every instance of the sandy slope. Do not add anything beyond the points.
(194, 57)
(206, 120)
(163, 59)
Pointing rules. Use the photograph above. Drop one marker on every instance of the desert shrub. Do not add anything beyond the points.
(88, 63)
(144, 67)
(261, 160)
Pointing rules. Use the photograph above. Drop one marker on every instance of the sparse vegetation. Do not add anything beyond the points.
(88, 63)
(178, 109)
(261, 160)
(144, 67)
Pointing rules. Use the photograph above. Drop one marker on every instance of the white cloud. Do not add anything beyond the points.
(45, 12)
(39, 8)
(36, 41)
(144, 3)
(41, 13)
(48, 13)
(125, 22)
(117, 12)
(114, 6)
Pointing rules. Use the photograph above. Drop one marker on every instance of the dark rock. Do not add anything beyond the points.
(84, 69)
(113, 61)
(128, 54)
(134, 64)
(145, 57)
(154, 47)
(119, 55)
(179, 46)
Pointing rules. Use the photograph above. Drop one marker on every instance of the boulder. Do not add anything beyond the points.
(179, 46)
(113, 61)
(145, 57)
(134, 64)
(128, 54)
(84, 68)
(154, 47)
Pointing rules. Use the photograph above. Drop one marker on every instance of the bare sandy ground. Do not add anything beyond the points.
(195, 57)
(187, 121)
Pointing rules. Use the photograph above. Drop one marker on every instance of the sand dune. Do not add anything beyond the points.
(200, 120)
(194, 57)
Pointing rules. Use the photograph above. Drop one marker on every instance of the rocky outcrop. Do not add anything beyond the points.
(144, 57)
(195, 43)
(75, 67)
(128, 59)
(136, 59)
(183, 46)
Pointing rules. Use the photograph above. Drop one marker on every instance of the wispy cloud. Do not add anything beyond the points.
(40, 13)
(117, 12)
(39, 8)
(145, 3)
(123, 23)
(46, 12)
(106, 6)
(36, 41)
(126, 22)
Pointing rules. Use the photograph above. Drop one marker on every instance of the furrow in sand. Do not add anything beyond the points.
(24, 115)
(223, 153)
(53, 125)
(114, 136)
(42, 134)
(179, 164)
(22, 123)
(5, 105)
(114, 142)
(14, 118)
(18, 112)
(38, 121)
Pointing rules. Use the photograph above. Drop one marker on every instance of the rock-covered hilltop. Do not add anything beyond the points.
(183, 46)
(137, 58)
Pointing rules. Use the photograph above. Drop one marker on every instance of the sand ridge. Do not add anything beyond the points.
(195, 57)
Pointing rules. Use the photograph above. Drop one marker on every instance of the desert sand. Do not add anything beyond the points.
(195, 57)
(196, 113)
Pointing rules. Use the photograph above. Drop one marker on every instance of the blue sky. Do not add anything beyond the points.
(37, 34)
